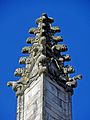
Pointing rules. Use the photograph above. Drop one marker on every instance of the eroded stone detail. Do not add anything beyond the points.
(45, 56)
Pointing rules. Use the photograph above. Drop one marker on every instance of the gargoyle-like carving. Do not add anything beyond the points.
(72, 82)
(17, 87)
(41, 63)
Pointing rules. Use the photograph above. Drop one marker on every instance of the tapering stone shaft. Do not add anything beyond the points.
(44, 100)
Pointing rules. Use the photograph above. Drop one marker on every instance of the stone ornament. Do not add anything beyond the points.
(44, 56)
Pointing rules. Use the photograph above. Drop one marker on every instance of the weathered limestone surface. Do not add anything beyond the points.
(33, 100)
(46, 100)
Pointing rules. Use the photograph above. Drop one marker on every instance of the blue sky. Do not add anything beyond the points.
(73, 17)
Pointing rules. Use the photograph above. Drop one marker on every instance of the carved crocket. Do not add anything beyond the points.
(72, 82)
(68, 69)
(59, 47)
(17, 87)
(19, 72)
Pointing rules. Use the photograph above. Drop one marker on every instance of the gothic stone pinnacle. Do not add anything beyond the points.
(44, 56)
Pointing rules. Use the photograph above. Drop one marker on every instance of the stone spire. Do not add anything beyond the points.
(45, 56)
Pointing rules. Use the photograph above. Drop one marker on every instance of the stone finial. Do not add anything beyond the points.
(45, 56)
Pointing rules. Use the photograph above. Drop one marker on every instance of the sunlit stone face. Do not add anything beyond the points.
(33, 101)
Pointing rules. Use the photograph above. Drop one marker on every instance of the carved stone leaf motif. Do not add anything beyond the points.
(45, 56)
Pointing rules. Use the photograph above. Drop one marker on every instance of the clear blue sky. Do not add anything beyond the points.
(73, 17)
